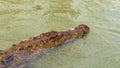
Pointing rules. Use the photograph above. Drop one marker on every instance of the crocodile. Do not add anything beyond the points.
(25, 51)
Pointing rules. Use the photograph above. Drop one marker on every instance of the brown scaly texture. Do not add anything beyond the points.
(23, 52)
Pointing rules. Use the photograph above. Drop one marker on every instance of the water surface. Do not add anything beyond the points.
(21, 19)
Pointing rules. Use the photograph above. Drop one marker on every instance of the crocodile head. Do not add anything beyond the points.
(84, 28)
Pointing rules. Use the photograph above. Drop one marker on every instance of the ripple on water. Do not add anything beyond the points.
(21, 19)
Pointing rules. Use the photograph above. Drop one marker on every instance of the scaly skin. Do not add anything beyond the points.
(25, 51)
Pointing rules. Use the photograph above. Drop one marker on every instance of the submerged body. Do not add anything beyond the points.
(25, 51)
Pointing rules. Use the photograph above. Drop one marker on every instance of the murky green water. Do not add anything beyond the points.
(21, 19)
